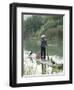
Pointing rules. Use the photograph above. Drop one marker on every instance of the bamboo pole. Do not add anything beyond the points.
(43, 68)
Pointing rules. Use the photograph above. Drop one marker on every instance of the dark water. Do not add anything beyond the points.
(55, 47)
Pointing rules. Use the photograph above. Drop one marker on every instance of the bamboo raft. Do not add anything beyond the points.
(48, 63)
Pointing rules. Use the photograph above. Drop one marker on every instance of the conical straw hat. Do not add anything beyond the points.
(43, 36)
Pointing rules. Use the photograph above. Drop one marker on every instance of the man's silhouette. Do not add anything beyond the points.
(43, 47)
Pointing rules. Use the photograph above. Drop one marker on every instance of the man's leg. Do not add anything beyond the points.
(41, 52)
(44, 53)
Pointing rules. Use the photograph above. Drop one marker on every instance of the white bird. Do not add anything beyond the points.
(30, 62)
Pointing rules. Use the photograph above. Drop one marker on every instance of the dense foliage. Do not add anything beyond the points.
(36, 25)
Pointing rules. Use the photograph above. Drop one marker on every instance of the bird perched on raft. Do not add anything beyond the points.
(53, 62)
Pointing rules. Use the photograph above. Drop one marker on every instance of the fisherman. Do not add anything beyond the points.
(43, 47)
